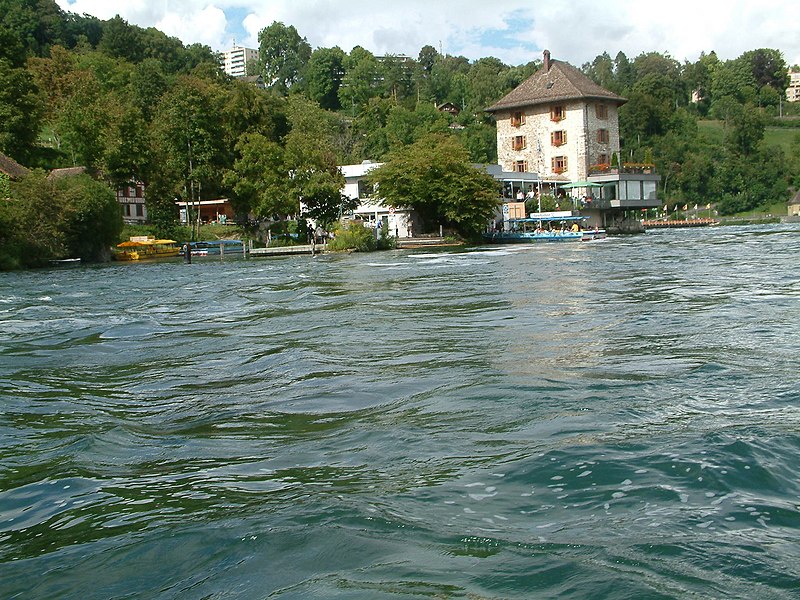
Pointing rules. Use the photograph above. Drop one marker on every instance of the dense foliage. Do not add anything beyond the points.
(134, 103)
(46, 219)
(435, 177)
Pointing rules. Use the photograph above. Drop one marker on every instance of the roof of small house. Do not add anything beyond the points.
(11, 167)
(556, 81)
(256, 80)
(68, 172)
(795, 199)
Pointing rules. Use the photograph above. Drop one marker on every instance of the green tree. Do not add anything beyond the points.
(323, 76)
(485, 83)
(369, 129)
(124, 141)
(122, 40)
(247, 109)
(187, 145)
(148, 83)
(697, 79)
(445, 71)
(92, 219)
(624, 73)
(312, 163)
(746, 132)
(31, 224)
(767, 67)
(11, 48)
(396, 75)
(260, 179)
(82, 119)
(38, 24)
(45, 220)
(650, 108)
(733, 79)
(601, 71)
(360, 81)
(434, 176)
(283, 55)
(20, 111)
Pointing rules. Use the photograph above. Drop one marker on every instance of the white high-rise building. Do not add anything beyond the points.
(793, 91)
(235, 60)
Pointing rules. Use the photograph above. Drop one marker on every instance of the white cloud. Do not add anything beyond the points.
(516, 31)
(208, 25)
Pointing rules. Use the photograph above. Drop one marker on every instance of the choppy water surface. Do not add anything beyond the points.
(616, 419)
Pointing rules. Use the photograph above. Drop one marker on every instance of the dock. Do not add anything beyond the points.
(402, 244)
(679, 223)
(423, 242)
(287, 250)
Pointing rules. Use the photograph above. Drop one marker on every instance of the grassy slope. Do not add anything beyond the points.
(713, 132)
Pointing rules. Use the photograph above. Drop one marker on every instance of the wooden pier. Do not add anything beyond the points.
(287, 250)
(679, 223)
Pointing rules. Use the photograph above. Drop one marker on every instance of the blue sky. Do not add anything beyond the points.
(515, 31)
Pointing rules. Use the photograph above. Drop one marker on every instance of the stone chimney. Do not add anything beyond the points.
(546, 61)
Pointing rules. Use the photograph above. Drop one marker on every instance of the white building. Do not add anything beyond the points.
(793, 91)
(557, 123)
(402, 222)
(560, 124)
(235, 60)
(370, 209)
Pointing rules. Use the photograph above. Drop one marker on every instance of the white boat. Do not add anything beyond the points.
(545, 227)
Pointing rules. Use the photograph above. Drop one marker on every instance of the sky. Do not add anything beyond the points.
(515, 31)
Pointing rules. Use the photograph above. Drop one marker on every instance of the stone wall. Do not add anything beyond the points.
(582, 147)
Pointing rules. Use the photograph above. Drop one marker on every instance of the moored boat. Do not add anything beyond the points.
(213, 247)
(145, 247)
(545, 227)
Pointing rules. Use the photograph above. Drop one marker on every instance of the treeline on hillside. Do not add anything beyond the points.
(133, 103)
(666, 98)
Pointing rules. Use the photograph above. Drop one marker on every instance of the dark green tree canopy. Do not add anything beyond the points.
(435, 177)
(283, 55)
(323, 76)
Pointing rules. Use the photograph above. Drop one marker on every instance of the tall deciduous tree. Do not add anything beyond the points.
(323, 76)
(360, 80)
(187, 145)
(20, 111)
(434, 176)
(312, 162)
(283, 55)
(259, 179)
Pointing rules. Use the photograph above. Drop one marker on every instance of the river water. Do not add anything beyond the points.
(615, 419)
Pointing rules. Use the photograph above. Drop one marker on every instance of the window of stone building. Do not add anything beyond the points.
(519, 143)
(558, 138)
(520, 166)
(518, 119)
(558, 113)
(559, 164)
(601, 110)
(602, 136)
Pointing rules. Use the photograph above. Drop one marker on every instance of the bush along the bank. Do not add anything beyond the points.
(355, 237)
(43, 220)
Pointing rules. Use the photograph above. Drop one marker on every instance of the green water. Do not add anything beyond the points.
(616, 419)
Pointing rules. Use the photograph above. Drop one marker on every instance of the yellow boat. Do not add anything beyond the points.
(145, 247)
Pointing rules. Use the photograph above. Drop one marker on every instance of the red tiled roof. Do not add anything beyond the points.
(561, 82)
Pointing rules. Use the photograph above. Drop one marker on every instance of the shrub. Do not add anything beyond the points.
(353, 236)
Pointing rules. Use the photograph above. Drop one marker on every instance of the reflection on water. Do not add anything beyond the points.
(613, 419)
